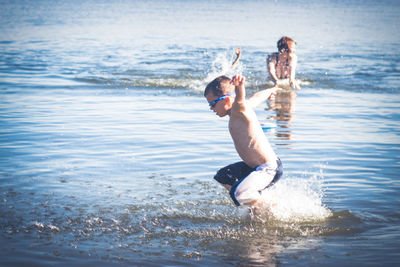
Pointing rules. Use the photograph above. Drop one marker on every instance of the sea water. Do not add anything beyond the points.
(108, 148)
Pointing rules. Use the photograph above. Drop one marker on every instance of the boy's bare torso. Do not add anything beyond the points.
(249, 138)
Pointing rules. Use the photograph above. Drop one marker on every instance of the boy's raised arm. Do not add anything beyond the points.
(238, 82)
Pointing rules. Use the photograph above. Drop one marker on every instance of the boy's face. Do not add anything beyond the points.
(222, 107)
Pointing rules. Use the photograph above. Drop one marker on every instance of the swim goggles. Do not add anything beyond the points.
(214, 102)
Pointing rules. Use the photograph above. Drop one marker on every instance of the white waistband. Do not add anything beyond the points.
(272, 165)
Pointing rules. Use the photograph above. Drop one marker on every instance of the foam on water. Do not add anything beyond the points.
(187, 78)
(222, 65)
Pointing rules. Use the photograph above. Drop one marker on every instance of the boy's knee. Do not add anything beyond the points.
(243, 197)
(246, 197)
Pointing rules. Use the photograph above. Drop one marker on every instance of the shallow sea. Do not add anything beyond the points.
(108, 148)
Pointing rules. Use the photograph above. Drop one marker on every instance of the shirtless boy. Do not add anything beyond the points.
(260, 167)
(282, 65)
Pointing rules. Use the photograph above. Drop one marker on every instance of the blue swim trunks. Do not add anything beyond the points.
(246, 182)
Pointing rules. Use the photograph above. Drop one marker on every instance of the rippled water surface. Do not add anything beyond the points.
(108, 147)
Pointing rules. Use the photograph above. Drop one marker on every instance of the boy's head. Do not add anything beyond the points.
(218, 93)
(286, 44)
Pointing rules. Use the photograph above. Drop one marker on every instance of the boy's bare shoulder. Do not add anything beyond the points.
(238, 108)
(241, 111)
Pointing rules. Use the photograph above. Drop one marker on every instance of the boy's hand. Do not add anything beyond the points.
(238, 80)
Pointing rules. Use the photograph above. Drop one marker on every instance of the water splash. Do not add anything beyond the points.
(221, 65)
(297, 199)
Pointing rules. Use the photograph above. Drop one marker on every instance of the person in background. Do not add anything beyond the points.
(282, 65)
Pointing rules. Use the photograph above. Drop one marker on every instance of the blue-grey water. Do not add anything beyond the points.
(108, 147)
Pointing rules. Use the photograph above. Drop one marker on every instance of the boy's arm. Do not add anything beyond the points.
(261, 96)
(239, 103)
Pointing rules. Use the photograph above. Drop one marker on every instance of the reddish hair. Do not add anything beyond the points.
(283, 44)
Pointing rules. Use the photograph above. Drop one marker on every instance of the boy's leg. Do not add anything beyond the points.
(249, 189)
